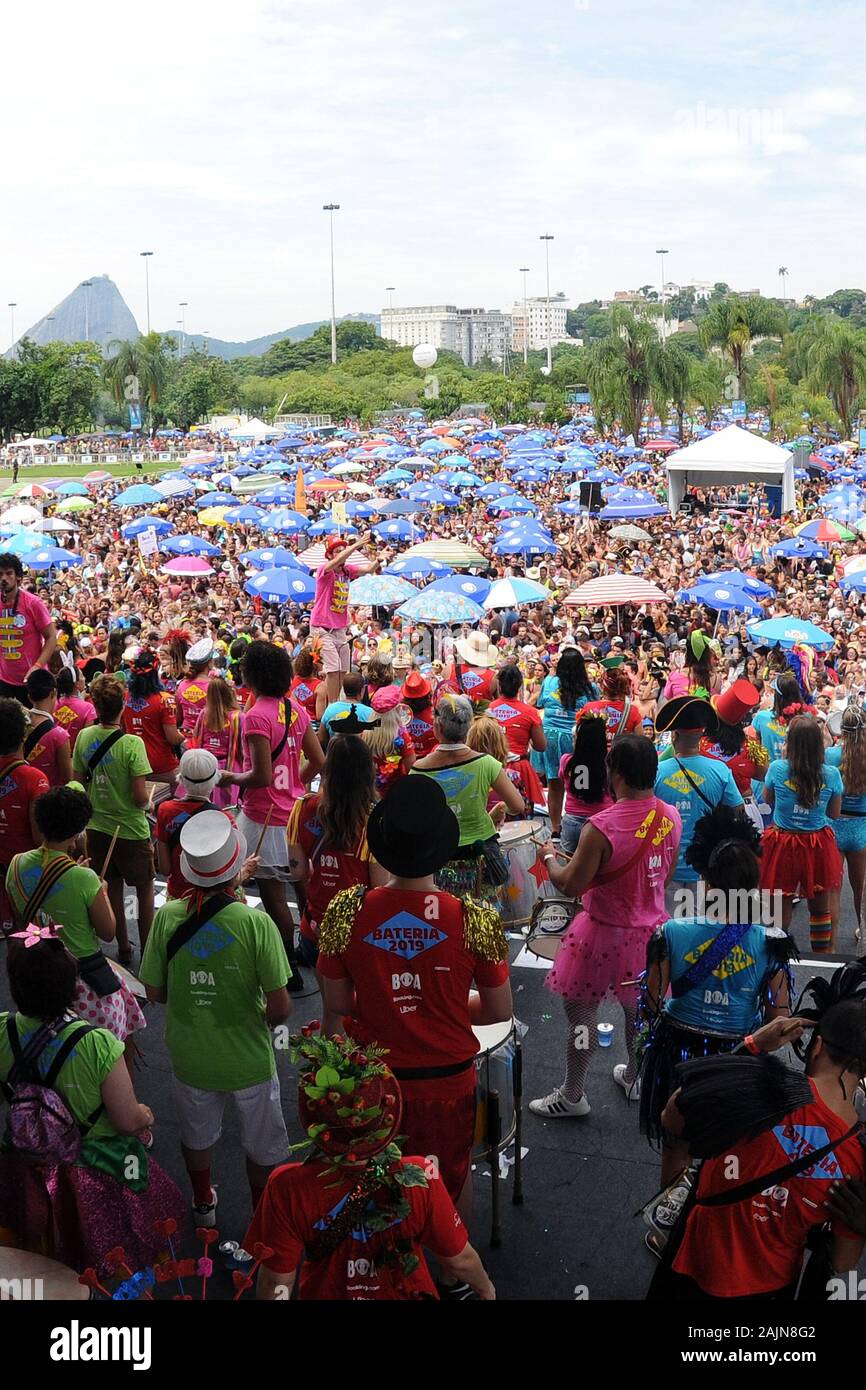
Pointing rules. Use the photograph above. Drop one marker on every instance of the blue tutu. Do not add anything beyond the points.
(850, 832)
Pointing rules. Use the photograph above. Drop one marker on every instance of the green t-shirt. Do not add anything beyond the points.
(467, 787)
(67, 903)
(216, 1032)
(80, 1078)
(109, 788)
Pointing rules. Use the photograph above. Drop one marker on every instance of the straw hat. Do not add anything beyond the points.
(476, 650)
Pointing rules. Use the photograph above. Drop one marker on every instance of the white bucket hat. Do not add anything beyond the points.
(202, 650)
(212, 849)
(476, 650)
(199, 773)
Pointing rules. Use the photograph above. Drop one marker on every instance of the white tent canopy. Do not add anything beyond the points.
(255, 429)
(727, 457)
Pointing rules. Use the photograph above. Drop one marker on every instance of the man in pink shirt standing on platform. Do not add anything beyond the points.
(28, 637)
(329, 619)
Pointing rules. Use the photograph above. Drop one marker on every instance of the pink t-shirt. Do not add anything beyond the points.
(574, 805)
(678, 683)
(267, 717)
(22, 629)
(74, 714)
(191, 696)
(44, 752)
(331, 607)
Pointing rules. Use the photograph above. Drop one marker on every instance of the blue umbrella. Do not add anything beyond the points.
(246, 515)
(417, 567)
(849, 581)
(71, 488)
(399, 529)
(138, 496)
(189, 545)
(49, 558)
(277, 558)
(723, 598)
(395, 475)
(801, 549)
(621, 510)
(524, 543)
(145, 523)
(22, 542)
(734, 579)
(430, 606)
(431, 496)
(291, 441)
(470, 585)
(282, 586)
(570, 508)
(401, 506)
(461, 478)
(285, 525)
(214, 499)
(373, 590)
(276, 497)
(327, 526)
(788, 632)
(511, 502)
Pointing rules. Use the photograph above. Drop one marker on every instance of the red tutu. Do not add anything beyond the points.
(801, 862)
(527, 781)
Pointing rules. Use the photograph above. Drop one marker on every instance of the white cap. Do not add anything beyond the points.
(199, 772)
(212, 849)
(200, 651)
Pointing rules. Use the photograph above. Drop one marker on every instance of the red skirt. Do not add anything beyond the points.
(801, 862)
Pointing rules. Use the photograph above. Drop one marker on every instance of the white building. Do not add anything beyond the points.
(470, 333)
(536, 321)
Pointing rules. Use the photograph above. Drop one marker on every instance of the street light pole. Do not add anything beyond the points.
(661, 253)
(547, 239)
(11, 306)
(389, 290)
(330, 209)
(86, 284)
(146, 255)
(183, 304)
(524, 270)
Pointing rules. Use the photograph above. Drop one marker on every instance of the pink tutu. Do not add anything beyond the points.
(77, 1215)
(119, 1012)
(595, 958)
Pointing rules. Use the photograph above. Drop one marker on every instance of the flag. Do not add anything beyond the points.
(300, 493)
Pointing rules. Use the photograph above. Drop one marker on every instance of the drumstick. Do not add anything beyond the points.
(107, 860)
(255, 853)
(560, 853)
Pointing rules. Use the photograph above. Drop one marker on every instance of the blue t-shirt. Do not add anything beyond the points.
(788, 814)
(340, 707)
(716, 783)
(730, 999)
(771, 733)
(850, 804)
(550, 703)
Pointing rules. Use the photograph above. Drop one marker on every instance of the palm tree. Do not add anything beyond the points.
(671, 381)
(137, 370)
(731, 324)
(783, 274)
(621, 371)
(706, 385)
(836, 362)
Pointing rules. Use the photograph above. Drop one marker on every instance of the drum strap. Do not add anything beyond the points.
(640, 854)
(431, 1073)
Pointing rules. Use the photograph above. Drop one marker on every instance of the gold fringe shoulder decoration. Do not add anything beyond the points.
(336, 926)
(483, 933)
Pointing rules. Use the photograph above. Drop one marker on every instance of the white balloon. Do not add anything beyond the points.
(425, 355)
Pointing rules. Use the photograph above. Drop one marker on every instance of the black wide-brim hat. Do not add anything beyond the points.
(686, 712)
(413, 832)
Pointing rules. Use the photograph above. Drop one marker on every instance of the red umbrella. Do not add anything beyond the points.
(661, 446)
(611, 590)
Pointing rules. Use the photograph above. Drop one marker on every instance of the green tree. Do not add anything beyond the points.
(707, 385)
(836, 360)
(731, 324)
(20, 398)
(137, 370)
(620, 369)
(198, 386)
(670, 381)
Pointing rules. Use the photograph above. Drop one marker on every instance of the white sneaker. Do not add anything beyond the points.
(556, 1107)
(632, 1090)
(206, 1215)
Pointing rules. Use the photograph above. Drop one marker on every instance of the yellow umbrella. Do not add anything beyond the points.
(212, 516)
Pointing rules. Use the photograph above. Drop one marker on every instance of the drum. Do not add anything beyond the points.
(520, 842)
(132, 981)
(27, 1278)
(494, 1072)
(550, 921)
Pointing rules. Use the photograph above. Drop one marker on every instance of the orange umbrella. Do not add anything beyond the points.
(328, 485)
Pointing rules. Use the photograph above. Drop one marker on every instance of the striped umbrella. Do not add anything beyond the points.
(611, 590)
(430, 606)
(825, 530)
(453, 553)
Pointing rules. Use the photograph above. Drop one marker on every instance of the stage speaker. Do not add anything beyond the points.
(590, 496)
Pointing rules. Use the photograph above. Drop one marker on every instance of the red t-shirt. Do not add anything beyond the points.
(303, 692)
(330, 870)
(171, 817)
(421, 731)
(756, 1246)
(747, 766)
(475, 682)
(290, 1214)
(613, 711)
(517, 720)
(148, 718)
(412, 973)
(18, 789)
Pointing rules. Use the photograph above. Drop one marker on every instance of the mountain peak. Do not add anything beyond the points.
(94, 312)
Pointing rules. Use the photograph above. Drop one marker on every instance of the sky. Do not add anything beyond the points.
(451, 134)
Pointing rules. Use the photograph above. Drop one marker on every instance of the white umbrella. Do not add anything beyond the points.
(56, 523)
(340, 469)
(511, 593)
(23, 515)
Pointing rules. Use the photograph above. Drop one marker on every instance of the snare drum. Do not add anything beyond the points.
(528, 880)
(550, 921)
(133, 983)
(494, 1072)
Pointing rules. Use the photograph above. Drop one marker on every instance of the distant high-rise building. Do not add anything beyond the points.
(472, 334)
(536, 323)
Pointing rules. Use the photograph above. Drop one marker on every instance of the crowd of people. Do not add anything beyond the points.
(326, 791)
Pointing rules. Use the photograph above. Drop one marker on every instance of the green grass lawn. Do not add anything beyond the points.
(78, 470)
